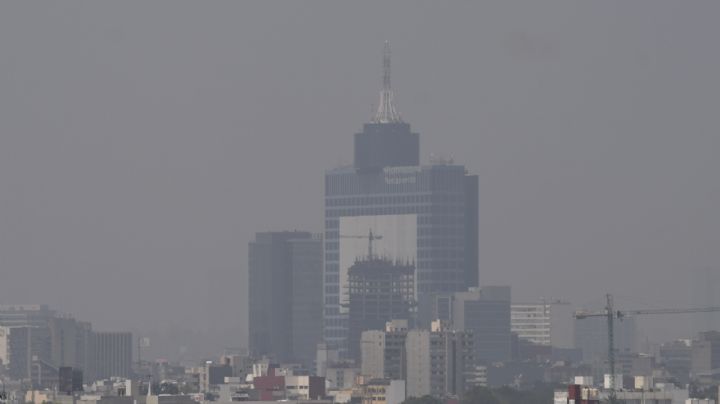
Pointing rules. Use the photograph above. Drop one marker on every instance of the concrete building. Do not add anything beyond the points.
(705, 354)
(379, 291)
(382, 391)
(676, 358)
(486, 313)
(112, 354)
(304, 387)
(284, 274)
(545, 323)
(439, 361)
(383, 353)
(325, 357)
(341, 376)
(531, 322)
(425, 214)
(4, 346)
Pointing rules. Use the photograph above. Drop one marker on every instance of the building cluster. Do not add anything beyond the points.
(642, 390)
(40, 347)
(389, 293)
(383, 305)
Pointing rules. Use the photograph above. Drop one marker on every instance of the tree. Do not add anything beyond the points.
(480, 395)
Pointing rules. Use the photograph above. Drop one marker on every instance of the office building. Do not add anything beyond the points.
(591, 336)
(379, 291)
(422, 214)
(531, 322)
(439, 361)
(705, 356)
(306, 298)
(29, 355)
(25, 315)
(285, 295)
(485, 312)
(545, 323)
(383, 353)
(676, 358)
(112, 354)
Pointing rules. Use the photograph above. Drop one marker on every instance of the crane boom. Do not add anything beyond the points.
(370, 238)
(611, 314)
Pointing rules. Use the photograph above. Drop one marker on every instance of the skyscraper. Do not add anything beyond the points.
(306, 261)
(422, 214)
(285, 289)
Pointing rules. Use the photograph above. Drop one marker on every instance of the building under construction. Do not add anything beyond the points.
(379, 290)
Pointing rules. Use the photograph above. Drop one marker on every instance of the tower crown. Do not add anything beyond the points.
(386, 112)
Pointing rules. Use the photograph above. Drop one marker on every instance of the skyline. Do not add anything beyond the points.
(131, 172)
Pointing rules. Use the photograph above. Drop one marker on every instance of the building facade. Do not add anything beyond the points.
(379, 291)
(112, 354)
(439, 361)
(383, 354)
(306, 303)
(285, 289)
(422, 214)
(485, 312)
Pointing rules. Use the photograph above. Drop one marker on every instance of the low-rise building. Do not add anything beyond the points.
(383, 391)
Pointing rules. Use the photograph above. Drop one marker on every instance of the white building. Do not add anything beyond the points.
(548, 323)
(531, 322)
(439, 362)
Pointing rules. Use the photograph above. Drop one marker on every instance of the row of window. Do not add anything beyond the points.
(395, 210)
(458, 198)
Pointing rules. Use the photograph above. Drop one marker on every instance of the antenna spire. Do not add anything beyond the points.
(386, 112)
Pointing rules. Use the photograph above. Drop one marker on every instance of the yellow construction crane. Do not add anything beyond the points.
(611, 314)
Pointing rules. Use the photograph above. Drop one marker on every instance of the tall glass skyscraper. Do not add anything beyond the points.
(427, 215)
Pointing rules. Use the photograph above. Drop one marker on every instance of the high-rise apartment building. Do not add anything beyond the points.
(285, 295)
(422, 214)
(383, 353)
(439, 361)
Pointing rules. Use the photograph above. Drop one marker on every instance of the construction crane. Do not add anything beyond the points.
(611, 314)
(370, 238)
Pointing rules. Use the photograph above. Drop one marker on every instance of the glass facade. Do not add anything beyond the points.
(441, 199)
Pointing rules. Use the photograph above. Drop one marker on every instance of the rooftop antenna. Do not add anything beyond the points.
(386, 112)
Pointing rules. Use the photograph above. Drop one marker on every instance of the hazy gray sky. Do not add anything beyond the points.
(143, 143)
